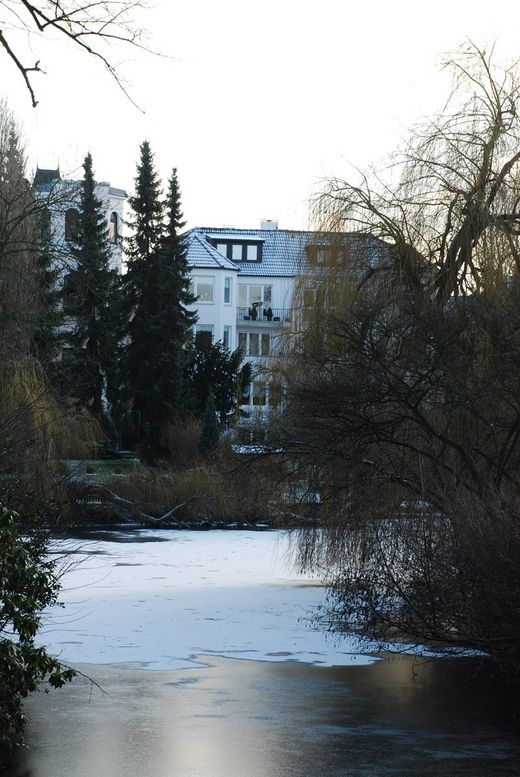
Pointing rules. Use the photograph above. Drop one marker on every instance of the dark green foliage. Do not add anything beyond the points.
(209, 435)
(48, 336)
(214, 369)
(90, 302)
(157, 323)
(146, 224)
(29, 585)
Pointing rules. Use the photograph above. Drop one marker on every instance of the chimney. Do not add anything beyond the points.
(268, 224)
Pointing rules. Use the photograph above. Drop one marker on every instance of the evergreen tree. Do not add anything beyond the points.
(210, 434)
(157, 322)
(91, 301)
(213, 369)
(48, 336)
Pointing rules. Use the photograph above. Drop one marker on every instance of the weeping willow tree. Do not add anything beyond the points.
(452, 193)
(401, 430)
(35, 432)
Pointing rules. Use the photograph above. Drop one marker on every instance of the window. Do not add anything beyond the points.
(248, 295)
(254, 344)
(309, 297)
(323, 254)
(309, 303)
(239, 251)
(69, 294)
(259, 392)
(275, 395)
(335, 253)
(71, 224)
(204, 328)
(203, 337)
(45, 225)
(203, 288)
(226, 340)
(113, 228)
(227, 290)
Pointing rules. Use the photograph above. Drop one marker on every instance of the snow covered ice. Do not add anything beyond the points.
(167, 599)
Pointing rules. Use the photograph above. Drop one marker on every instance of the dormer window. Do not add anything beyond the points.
(333, 254)
(240, 250)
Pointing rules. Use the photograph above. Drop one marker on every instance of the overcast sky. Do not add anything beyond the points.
(255, 102)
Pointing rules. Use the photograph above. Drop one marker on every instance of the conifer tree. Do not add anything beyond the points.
(175, 288)
(157, 322)
(210, 434)
(49, 335)
(91, 302)
(213, 369)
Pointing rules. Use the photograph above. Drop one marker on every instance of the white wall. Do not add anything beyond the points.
(65, 195)
(218, 313)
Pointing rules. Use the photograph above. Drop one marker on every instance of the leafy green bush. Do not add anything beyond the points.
(28, 584)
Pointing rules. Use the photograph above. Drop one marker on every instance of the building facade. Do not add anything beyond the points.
(244, 280)
(60, 214)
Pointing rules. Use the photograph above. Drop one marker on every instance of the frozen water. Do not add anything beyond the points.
(166, 599)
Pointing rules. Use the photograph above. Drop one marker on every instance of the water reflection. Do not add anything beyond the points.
(172, 605)
(255, 719)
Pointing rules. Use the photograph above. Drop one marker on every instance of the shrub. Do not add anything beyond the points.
(29, 585)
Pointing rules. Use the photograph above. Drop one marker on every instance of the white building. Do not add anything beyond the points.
(245, 283)
(244, 280)
(60, 218)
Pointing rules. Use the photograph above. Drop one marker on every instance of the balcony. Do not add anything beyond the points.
(263, 315)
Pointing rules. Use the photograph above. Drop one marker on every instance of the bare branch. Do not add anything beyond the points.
(88, 25)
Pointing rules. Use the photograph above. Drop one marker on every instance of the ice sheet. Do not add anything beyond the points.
(167, 599)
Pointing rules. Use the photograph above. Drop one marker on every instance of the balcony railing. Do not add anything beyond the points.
(263, 315)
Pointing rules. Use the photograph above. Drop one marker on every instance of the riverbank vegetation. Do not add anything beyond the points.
(398, 445)
(402, 416)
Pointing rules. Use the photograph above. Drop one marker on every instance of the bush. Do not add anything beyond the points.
(29, 585)
(221, 488)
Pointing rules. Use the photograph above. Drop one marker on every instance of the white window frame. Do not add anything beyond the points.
(195, 281)
(250, 249)
(248, 287)
(229, 331)
(228, 279)
(204, 328)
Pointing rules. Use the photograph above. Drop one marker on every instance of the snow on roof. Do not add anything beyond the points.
(282, 249)
(201, 254)
(284, 252)
(233, 236)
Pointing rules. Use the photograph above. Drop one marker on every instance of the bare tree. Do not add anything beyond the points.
(401, 432)
(453, 189)
(91, 26)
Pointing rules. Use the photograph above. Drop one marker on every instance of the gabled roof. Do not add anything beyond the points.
(201, 254)
(282, 249)
(285, 253)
